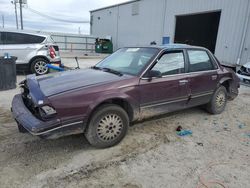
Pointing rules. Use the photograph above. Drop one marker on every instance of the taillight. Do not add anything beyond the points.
(52, 52)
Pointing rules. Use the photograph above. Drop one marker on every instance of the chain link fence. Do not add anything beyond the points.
(74, 43)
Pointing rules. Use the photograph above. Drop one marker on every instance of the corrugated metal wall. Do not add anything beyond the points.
(143, 28)
(233, 16)
(127, 29)
(104, 23)
(157, 18)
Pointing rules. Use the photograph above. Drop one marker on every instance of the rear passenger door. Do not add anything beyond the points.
(203, 76)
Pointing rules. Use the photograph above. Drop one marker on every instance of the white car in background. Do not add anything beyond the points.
(33, 51)
(244, 73)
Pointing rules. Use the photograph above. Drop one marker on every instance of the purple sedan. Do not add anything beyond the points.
(130, 85)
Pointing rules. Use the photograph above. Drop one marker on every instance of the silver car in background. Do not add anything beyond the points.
(244, 73)
(33, 51)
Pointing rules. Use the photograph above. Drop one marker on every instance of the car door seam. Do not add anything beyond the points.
(164, 103)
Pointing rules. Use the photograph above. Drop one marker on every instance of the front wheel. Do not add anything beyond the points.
(39, 66)
(218, 101)
(107, 126)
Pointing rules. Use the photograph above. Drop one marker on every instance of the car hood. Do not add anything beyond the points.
(56, 83)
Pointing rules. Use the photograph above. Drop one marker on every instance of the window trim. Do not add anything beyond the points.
(172, 52)
(154, 60)
(186, 73)
(26, 34)
(161, 53)
(215, 65)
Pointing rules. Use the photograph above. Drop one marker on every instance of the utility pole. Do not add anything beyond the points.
(15, 2)
(3, 20)
(21, 13)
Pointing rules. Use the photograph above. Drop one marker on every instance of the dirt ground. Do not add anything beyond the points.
(151, 155)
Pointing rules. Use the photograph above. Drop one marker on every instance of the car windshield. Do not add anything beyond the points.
(128, 60)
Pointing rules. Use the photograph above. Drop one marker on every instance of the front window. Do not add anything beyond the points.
(128, 60)
(170, 63)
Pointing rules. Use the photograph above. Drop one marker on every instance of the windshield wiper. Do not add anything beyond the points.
(105, 69)
(112, 71)
(96, 68)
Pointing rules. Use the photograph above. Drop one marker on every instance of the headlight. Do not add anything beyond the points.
(48, 110)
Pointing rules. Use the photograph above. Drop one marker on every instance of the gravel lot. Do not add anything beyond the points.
(151, 155)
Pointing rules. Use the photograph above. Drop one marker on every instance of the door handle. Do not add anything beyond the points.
(214, 77)
(183, 82)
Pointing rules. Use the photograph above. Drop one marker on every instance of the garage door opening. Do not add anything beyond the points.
(198, 29)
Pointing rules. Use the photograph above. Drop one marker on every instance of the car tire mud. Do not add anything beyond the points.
(218, 102)
(107, 126)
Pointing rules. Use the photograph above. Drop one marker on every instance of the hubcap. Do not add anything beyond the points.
(109, 127)
(40, 67)
(220, 99)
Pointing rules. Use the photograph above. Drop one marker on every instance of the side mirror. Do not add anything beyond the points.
(153, 73)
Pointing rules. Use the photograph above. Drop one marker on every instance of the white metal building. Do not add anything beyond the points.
(223, 26)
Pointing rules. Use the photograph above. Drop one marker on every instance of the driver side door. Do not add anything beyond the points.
(166, 93)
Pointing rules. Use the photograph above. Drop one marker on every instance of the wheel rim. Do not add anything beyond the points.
(109, 127)
(220, 99)
(40, 67)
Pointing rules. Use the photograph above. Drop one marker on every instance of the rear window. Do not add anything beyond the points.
(20, 38)
(199, 61)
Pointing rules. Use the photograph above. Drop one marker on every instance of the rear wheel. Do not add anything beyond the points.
(218, 101)
(38, 66)
(108, 126)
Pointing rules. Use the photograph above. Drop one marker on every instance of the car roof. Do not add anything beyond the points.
(173, 46)
(178, 46)
(24, 32)
(170, 46)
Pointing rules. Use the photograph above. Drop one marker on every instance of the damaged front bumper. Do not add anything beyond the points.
(243, 78)
(244, 73)
(53, 128)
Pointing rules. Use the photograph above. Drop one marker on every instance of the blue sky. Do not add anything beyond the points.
(64, 9)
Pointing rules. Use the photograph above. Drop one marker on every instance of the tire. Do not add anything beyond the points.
(102, 132)
(218, 101)
(38, 66)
